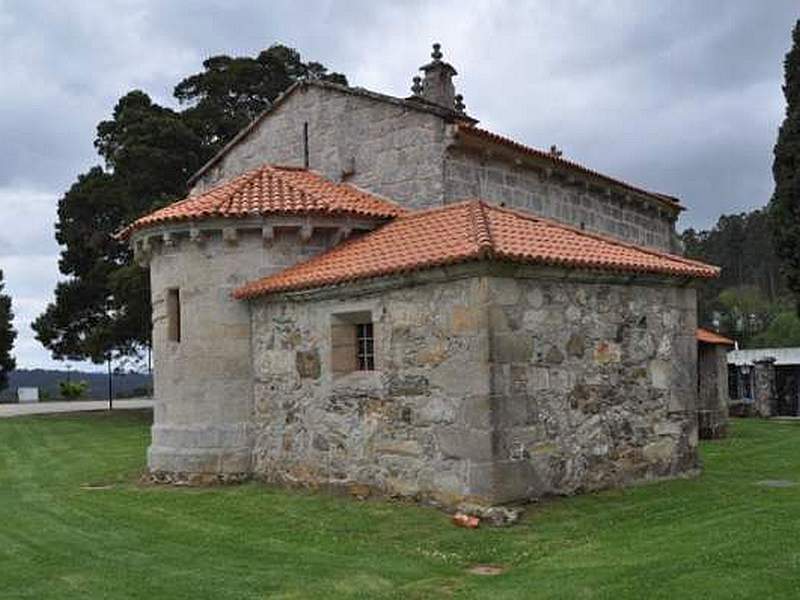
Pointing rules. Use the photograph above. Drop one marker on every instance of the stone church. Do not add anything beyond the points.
(372, 290)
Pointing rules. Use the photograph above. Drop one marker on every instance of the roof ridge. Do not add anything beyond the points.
(246, 180)
(480, 229)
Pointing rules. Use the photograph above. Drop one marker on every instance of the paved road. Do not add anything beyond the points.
(43, 408)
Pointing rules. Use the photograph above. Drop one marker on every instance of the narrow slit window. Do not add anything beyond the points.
(174, 315)
(365, 347)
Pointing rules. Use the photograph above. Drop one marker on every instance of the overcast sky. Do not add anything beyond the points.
(682, 97)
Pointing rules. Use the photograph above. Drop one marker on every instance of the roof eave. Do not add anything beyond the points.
(249, 291)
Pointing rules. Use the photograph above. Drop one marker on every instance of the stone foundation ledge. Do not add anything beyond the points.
(195, 479)
(492, 515)
(213, 462)
(300, 477)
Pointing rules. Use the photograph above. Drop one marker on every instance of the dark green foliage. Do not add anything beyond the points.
(750, 290)
(7, 336)
(785, 204)
(149, 149)
(103, 307)
(231, 92)
(782, 332)
(99, 308)
(759, 251)
(72, 390)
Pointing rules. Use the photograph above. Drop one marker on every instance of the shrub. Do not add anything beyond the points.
(71, 390)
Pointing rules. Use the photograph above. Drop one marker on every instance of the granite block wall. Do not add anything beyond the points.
(416, 426)
(487, 388)
(385, 148)
(471, 175)
(203, 383)
(593, 384)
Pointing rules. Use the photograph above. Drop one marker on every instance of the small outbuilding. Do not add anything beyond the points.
(28, 395)
(712, 383)
(765, 381)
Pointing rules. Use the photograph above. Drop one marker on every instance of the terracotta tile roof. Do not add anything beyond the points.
(467, 231)
(272, 190)
(476, 132)
(710, 337)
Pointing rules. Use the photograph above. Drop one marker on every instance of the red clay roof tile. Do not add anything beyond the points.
(466, 231)
(272, 190)
(711, 337)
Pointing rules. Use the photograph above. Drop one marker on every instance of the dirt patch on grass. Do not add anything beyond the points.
(91, 487)
(776, 483)
(487, 569)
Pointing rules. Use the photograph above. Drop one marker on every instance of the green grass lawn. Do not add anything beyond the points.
(719, 536)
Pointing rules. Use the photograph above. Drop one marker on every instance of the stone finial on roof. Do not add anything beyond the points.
(556, 151)
(416, 88)
(460, 106)
(437, 85)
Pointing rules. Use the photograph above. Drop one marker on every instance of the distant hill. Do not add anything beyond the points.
(125, 385)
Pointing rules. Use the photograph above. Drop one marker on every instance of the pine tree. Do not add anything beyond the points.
(785, 203)
(103, 308)
(7, 336)
(231, 91)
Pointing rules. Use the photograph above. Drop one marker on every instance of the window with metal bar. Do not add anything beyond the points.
(365, 347)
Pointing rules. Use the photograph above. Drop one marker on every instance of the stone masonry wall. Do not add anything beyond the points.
(593, 384)
(712, 384)
(203, 383)
(416, 426)
(470, 175)
(390, 150)
(765, 400)
(485, 388)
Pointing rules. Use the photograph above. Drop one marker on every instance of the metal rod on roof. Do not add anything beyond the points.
(305, 144)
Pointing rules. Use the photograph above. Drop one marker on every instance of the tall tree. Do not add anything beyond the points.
(750, 301)
(785, 204)
(88, 320)
(742, 245)
(149, 151)
(103, 307)
(7, 336)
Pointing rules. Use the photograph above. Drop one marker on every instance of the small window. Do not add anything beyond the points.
(365, 347)
(352, 342)
(174, 315)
